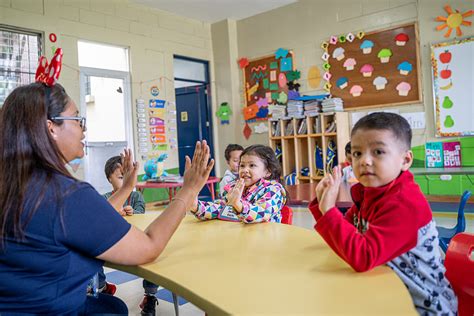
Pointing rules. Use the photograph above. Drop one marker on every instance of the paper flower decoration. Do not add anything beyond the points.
(325, 56)
(380, 82)
(367, 70)
(356, 91)
(360, 35)
(325, 45)
(333, 40)
(327, 76)
(403, 88)
(349, 63)
(243, 62)
(384, 55)
(366, 46)
(350, 37)
(342, 82)
(338, 53)
(454, 21)
(401, 39)
(326, 66)
(405, 68)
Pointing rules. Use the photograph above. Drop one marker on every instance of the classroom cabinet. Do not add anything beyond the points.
(298, 142)
(451, 185)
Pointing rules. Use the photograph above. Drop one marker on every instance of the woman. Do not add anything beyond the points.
(51, 244)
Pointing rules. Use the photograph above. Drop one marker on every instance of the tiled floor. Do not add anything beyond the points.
(130, 287)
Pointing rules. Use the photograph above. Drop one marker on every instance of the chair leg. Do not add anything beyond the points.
(176, 305)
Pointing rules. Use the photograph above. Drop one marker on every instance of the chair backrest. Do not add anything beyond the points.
(459, 265)
(286, 215)
(461, 225)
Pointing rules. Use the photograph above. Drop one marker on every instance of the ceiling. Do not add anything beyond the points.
(215, 10)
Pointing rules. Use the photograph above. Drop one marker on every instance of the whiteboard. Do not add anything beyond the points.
(453, 87)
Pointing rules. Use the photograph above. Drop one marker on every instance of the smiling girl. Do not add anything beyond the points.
(257, 196)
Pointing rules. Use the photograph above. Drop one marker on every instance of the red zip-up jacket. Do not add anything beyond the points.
(382, 224)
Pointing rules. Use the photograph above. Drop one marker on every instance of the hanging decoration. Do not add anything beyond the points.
(223, 112)
(261, 128)
(454, 20)
(247, 131)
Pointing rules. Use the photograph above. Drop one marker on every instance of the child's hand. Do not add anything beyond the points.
(122, 212)
(129, 169)
(234, 196)
(128, 210)
(320, 188)
(197, 171)
(331, 184)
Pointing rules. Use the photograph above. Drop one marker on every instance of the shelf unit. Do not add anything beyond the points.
(298, 149)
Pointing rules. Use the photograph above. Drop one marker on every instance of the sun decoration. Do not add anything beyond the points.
(453, 21)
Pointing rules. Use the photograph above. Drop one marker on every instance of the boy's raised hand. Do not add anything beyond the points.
(330, 190)
(234, 196)
(129, 169)
(197, 171)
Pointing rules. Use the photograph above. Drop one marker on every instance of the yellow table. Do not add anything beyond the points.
(232, 268)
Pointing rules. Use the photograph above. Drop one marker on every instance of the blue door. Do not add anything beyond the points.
(194, 123)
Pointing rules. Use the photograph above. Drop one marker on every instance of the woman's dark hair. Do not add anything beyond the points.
(111, 165)
(28, 153)
(268, 156)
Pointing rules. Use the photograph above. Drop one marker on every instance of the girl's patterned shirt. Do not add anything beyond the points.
(261, 202)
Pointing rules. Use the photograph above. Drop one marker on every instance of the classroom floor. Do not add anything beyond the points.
(130, 290)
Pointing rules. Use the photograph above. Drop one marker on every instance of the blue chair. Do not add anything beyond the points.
(445, 234)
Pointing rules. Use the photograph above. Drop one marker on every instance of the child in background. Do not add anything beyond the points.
(135, 204)
(256, 197)
(232, 157)
(391, 221)
(347, 172)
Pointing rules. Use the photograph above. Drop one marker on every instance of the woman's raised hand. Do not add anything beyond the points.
(129, 169)
(197, 171)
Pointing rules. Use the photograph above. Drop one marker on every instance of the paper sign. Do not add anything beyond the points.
(434, 155)
(416, 119)
(157, 129)
(286, 64)
(158, 138)
(154, 121)
(452, 154)
(157, 103)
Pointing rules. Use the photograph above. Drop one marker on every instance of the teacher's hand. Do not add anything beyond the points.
(197, 171)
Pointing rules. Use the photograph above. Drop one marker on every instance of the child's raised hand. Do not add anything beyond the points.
(128, 210)
(129, 169)
(234, 196)
(330, 191)
(197, 171)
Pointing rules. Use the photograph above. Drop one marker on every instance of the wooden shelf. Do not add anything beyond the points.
(298, 151)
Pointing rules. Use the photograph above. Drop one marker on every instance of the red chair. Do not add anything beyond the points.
(286, 215)
(460, 271)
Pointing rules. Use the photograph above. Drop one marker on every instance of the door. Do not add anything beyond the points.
(105, 102)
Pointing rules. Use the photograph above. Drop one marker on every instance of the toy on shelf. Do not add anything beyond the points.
(154, 168)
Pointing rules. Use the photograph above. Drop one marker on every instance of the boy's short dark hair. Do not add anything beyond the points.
(347, 149)
(111, 165)
(230, 148)
(395, 123)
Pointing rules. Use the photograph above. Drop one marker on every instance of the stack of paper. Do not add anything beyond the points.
(311, 107)
(295, 108)
(277, 111)
(333, 105)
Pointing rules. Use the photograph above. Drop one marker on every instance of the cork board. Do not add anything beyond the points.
(380, 69)
(265, 79)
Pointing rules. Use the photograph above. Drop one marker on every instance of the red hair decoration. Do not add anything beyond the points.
(49, 73)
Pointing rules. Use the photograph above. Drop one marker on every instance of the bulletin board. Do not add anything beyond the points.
(453, 81)
(377, 69)
(265, 82)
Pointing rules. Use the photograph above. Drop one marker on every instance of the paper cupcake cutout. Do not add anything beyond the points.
(403, 88)
(405, 68)
(380, 83)
(342, 82)
(356, 91)
(366, 46)
(401, 39)
(349, 64)
(367, 70)
(338, 53)
(384, 55)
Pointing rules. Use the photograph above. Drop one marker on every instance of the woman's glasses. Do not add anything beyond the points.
(81, 119)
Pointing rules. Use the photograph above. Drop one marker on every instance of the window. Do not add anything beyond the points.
(19, 54)
(102, 56)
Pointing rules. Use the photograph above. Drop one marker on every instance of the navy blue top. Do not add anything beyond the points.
(49, 270)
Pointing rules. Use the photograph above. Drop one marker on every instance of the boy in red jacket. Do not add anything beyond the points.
(391, 221)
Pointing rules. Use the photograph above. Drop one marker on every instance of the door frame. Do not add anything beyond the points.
(207, 85)
(128, 115)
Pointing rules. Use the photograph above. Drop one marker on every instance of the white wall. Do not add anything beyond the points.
(152, 36)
